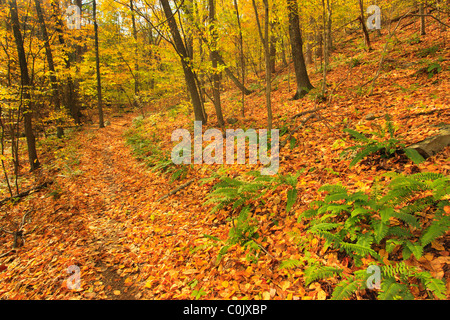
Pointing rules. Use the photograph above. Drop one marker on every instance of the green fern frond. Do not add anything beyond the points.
(391, 290)
(345, 289)
(290, 264)
(398, 270)
(314, 273)
(352, 248)
(435, 230)
(437, 286)
(333, 188)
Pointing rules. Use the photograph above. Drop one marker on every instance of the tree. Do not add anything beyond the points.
(216, 74)
(136, 58)
(363, 25)
(51, 65)
(189, 75)
(69, 98)
(266, 45)
(25, 88)
(241, 54)
(101, 123)
(301, 74)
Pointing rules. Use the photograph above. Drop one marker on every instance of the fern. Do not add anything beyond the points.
(435, 230)
(314, 273)
(290, 264)
(436, 286)
(387, 146)
(346, 288)
(391, 290)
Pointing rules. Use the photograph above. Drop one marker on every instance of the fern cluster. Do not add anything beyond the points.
(386, 145)
(407, 215)
(242, 194)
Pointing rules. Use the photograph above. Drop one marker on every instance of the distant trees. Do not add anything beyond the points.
(51, 76)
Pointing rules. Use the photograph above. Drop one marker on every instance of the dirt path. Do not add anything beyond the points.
(109, 183)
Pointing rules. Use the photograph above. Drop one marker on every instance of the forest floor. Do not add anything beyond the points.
(101, 212)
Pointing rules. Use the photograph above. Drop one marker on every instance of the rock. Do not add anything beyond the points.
(432, 145)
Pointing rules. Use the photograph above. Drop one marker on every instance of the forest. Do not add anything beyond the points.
(224, 150)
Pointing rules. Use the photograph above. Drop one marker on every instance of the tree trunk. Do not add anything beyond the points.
(182, 52)
(301, 74)
(268, 65)
(241, 55)
(69, 96)
(363, 25)
(136, 57)
(25, 83)
(101, 123)
(422, 19)
(266, 46)
(51, 65)
(273, 51)
(216, 75)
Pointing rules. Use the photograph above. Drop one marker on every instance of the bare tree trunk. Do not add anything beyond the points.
(363, 25)
(241, 54)
(136, 58)
(51, 65)
(273, 49)
(216, 75)
(101, 123)
(303, 83)
(308, 46)
(25, 84)
(69, 97)
(265, 41)
(422, 19)
(183, 53)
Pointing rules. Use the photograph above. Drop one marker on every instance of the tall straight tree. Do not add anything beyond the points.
(216, 74)
(68, 98)
(266, 46)
(136, 56)
(361, 19)
(25, 88)
(101, 124)
(51, 65)
(301, 74)
(186, 64)
(241, 54)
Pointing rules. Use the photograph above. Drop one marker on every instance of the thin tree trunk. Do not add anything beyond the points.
(363, 25)
(101, 123)
(216, 75)
(136, 57)
(51, 65)
(265, 41)
(303, 83)
(182, 52)
(241, 52)
(25, 84)
(422, 19)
